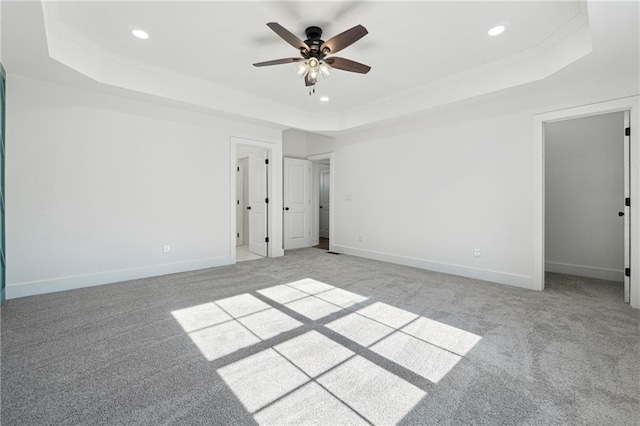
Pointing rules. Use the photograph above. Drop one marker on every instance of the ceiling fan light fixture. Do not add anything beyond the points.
(302, 69)
(325, 70)
(313, 64)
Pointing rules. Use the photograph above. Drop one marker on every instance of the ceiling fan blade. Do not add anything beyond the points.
(287, 36)
(278, 62)
(344, 39)
(308, 81)
(347, 65)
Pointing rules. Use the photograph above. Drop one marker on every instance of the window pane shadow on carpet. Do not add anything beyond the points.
(326, 381)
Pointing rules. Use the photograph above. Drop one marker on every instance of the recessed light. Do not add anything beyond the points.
(324, 99)
(496, 30)
(140, 34)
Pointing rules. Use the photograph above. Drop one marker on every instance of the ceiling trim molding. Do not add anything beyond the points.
(570, 43)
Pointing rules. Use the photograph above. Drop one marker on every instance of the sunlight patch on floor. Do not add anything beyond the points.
(312, 378)
(262, 378)
(314, 353)
(227, 325)
(310, 405)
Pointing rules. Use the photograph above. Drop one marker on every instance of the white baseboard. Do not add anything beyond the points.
(32, 288)
(515, 280)
(585, 271)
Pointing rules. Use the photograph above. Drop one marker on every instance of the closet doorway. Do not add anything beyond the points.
(252, 202)
(586, 191)
(308, 195)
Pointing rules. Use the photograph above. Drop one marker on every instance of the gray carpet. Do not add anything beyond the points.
(116, 354)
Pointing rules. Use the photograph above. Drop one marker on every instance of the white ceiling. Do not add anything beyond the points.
(409, 43)
(423, 54)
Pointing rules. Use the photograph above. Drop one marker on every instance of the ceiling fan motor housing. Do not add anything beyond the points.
(313, 32)
(313, 40)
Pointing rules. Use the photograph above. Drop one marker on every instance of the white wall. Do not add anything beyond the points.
(584, 191)
(300, 144)
(428, 194)
(426, 191)
(294, 143)
(97, 184)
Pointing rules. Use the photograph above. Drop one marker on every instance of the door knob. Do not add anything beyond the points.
(320, 206)
(286, 208)
(620, 213)
(248, 207)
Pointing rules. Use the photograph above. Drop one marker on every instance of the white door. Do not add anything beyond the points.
(258, 204)
(297, 203)
(245, 201)
(240, 207)
(325, 206)
(627, 208)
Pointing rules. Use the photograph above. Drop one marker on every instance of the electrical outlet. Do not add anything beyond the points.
(347, 197)
(476, 252)
(166, 248)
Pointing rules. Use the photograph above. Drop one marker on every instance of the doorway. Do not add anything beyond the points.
(586, 198)
(308, 194)
(252, 201)
(631, 104)
(322, 216)
(577, 166)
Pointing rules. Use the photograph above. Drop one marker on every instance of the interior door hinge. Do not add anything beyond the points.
(238, 202)
(266, 240)
(266, 161)
(627, 202)
(266, 200)
(238, 168)
(627, 131)
(627, 272)
(238, 235)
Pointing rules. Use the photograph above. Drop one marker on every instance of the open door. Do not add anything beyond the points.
(297, 203)
(258, 204)
(627, 208)
(240, 204)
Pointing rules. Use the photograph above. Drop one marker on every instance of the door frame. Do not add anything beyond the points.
(3, 216)
(315, 200)
(631, 104)
(274, 189)
(321, 169)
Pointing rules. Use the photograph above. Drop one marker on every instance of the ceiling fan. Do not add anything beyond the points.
(315, 53)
